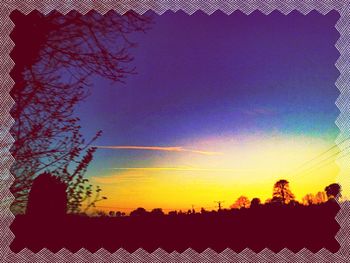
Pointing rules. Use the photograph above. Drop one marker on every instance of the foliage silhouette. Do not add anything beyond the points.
(241, 202)
(139, 212)
(54, 57)
(48, 197)
(281, 192)
(333, 191)
(308, 199)
(255, 202)
(157, 212)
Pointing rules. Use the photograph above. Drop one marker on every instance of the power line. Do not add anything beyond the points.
(326, 164)
(297, 174)
(321, 154)
(324, 160)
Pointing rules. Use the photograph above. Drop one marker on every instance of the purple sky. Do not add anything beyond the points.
(203, 75)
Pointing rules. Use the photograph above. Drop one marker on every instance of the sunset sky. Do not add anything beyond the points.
(221, 106)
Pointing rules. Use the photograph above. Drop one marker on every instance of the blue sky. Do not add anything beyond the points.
(204, 76)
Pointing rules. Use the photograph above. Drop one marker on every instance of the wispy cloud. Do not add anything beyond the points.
(158, 148)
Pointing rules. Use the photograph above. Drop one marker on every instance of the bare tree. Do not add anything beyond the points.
(54, 57)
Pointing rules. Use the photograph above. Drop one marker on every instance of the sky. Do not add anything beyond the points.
(221, 106)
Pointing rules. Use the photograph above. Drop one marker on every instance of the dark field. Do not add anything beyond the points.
(273, 226)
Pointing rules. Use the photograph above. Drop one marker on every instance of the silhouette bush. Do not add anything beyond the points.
(48, 197)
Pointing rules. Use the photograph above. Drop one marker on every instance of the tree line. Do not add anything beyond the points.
(281, 195)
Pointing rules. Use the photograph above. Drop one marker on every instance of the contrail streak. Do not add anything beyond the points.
(158, 148)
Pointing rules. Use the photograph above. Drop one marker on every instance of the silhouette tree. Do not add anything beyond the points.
(118, 214)
(54, 56)
(157, 212)
(111, 213)
(241, 202)
(320, 197)
(172, 213)
(333, 191)
(138, 212)
(281, 192)
(255, 202)
(101, 213)
(309, 199)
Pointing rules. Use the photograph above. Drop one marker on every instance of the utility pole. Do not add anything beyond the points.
(219, 204)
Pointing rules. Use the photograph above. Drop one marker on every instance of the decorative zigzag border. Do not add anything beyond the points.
(160, 6)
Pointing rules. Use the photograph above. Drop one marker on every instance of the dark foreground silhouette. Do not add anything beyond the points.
(275, 225)
(272, 226)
